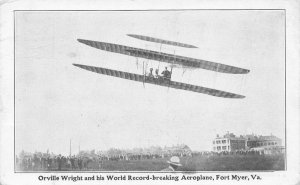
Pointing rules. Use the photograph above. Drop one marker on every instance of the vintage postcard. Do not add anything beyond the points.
(149, 95)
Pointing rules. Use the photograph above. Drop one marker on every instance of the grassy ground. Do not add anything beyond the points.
(200, 163)
(233, 163)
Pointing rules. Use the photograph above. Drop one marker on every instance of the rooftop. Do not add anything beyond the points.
(249, 137)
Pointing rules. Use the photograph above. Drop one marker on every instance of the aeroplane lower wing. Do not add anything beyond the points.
(165, 57)
(171, 84)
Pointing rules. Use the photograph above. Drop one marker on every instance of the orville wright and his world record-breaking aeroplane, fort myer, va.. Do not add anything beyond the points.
(165, 78)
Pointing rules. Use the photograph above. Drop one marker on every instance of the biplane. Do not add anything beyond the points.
(172, 59)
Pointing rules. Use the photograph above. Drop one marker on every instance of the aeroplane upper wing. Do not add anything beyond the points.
(162, 41)
(164, 57)
(186, 61)
(171, 84)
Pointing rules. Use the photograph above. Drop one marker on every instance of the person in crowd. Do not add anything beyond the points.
(174, 163)
(59, 161)
(79, 163)
(72, 159)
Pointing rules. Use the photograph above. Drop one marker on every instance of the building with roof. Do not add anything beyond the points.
(268, 144)
(229, 142)
(264, 144)
(180, 149)
(262, 141)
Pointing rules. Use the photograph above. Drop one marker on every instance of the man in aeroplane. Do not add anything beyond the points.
(166, 74)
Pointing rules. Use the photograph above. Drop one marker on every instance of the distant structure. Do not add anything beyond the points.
(263, 144)
(229, 142)
(180, 149)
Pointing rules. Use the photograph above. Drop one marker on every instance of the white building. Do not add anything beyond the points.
(229, 142)
(264, 144)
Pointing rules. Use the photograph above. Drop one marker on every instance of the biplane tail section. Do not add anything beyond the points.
(171, 84)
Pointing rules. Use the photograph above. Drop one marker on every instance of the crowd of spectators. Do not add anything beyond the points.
(82, 161)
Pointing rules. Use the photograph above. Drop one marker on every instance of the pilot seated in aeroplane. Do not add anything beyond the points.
(166, 74)
(150, 74)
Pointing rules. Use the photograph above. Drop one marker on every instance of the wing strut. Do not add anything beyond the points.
(143, 74)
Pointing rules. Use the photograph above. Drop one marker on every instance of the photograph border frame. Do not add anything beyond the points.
(140, 10)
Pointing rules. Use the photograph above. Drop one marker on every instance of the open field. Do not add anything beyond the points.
(202, 163)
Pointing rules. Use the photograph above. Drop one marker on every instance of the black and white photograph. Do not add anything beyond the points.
(150, 90)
